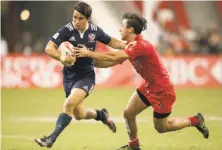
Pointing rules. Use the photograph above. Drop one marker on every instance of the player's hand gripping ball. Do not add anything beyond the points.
(67, 58)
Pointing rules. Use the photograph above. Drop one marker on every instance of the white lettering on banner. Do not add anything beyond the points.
(20, 64)
(193, 77)
(46, 75)
(41, 71)
(182, 72)
(178, 70)
(37, 64)
(21, 72)
(217, 71)
(11, 80)
(46, 79)
(9, 77)
(6, 65)
(103, 74)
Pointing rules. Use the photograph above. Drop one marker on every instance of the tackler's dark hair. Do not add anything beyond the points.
(84, 9)
(138, 23)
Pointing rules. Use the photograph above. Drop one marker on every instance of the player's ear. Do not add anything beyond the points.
(88, 19)
(131, 29)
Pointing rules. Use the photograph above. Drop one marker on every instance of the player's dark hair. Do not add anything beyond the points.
(138, 23)
(83, 8)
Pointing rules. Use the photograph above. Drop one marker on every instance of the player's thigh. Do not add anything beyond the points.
(160, 124)
(136, 104)
(67, 84)
(162, 111)
(80, 89)
(86, 84)
(76, 96)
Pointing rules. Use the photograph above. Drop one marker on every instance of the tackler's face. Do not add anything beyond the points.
(124, 31)
(79, 21)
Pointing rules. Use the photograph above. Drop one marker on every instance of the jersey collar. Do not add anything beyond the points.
(139, 37)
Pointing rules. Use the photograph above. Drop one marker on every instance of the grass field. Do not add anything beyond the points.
(29, 113)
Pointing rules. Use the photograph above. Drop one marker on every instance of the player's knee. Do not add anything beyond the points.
(128, 114)
(70, 103)
(79, 116)
(160, 129)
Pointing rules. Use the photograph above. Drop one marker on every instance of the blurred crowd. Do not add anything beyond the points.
(191, 41)
(184, 41)
(172, 27)
(25, 45)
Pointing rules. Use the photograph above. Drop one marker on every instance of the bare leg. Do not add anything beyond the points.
(81, 112)
(170, 124)
(133, 108)
(75, 98)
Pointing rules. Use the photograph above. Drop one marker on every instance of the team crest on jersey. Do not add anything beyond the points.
(91, 37)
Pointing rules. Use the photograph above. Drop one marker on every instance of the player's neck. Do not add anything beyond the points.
(83, 30)
(86, 27)
(131, 38)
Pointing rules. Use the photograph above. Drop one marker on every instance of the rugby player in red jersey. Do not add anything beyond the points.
(157, 89)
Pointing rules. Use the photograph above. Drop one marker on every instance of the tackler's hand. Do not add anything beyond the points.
(131, 44)
(81, 51)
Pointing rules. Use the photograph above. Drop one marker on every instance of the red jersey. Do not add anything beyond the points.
(147, 63)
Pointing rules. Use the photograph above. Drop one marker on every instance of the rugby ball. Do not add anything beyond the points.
(65, 48)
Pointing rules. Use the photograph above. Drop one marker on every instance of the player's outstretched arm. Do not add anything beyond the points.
(117, 44)
(118, 56)
(105, 64)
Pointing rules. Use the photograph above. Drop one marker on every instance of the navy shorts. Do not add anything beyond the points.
(87, 84)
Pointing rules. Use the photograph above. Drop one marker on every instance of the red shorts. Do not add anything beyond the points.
(161, 101)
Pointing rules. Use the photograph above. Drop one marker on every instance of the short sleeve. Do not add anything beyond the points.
(61, 35)
(103, 37)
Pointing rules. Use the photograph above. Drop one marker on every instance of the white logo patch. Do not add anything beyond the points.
(72, 39)
(55, 36)
(86, 88)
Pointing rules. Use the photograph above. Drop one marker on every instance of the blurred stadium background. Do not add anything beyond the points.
(187, 34)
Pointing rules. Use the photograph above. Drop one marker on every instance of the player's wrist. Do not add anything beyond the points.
(89, 54)
(124, 46)
(62, 58)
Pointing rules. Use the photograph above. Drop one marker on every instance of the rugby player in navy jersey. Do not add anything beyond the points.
(78, 79)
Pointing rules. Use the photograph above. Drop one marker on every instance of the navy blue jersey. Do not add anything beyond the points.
(93, 33)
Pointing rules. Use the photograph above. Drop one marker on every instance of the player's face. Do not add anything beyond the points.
(79, 21)
(124, 31)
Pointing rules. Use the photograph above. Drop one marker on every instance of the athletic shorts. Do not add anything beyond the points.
(86, 83)
(162, 101)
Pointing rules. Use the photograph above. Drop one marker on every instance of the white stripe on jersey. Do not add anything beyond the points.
(93, 27)
(69, 25)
